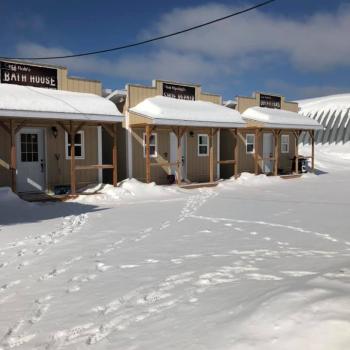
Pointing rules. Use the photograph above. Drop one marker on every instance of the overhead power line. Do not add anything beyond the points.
(123, 47)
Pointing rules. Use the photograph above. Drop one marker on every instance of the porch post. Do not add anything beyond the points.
(73, 181)
(211, 156)
(313, 150)
(277, 151)
(296, 136)
(236, 154)
(178, 156)
(13, 160)
(256, 155)
(148, 154)
(115, 156)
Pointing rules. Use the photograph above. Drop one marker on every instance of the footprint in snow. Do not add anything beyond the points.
(102, 267)
(128, 266)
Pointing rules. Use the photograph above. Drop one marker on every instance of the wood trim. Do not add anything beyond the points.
(211, 155)
(230, 161)
(164, 164)
(13, 154)
(94, 167)
(148, 158)
(73, 181)
(115, 156)
(108, 129)
(63, 127)
(236, 153)
(179, 156)
(5, 127)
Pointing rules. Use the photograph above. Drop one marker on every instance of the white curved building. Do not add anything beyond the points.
(333, 113)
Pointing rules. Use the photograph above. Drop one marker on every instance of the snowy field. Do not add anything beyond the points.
(258, 263)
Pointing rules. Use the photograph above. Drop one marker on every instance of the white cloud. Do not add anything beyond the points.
(316, 42)
(161, 64)
(306, 91)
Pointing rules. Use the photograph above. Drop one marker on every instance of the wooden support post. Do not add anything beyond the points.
(236, 155)
(115, 156)
(296, 137)
(13, 160)
(312, 135)
(73, 180)
(256, 153)
(276, 151)
(211, 155)
(179, 156)
(148, 154)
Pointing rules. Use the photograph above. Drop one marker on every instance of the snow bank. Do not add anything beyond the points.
(315, 317)
(129, 189)
(10, 201)
(249, 179)
(330, 157)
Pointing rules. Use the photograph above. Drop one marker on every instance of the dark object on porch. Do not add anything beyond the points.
(171, 179)
(61, 189)
(302, 164)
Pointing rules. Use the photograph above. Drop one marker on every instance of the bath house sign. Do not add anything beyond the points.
(24, 74)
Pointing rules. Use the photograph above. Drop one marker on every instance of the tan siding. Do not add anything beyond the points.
(198, 166)
(81, 85)
(59, 170)
(210, 98)
(158, 173)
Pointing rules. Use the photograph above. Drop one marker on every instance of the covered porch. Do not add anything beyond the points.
(193, 157)
(52, 137)
(276, 140)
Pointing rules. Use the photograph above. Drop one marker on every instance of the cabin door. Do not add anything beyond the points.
(30, 160)
(173, 154)
(267, 153)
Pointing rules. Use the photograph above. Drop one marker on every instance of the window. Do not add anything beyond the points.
(153, 149)
(29, 148)
(203, 145)
(285, 143)
(250, 143)
(78, 145)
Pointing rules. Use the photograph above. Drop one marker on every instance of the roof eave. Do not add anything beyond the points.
(6, 113)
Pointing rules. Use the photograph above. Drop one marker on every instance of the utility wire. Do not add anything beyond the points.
(89, 53)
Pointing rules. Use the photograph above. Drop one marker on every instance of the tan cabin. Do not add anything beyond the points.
(269, 143)
(51, 129)
(173, 132)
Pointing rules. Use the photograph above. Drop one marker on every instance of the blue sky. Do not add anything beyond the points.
(298, 48)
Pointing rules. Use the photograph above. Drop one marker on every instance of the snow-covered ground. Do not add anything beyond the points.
(258, 263)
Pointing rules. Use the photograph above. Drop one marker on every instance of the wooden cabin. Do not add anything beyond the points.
(174, 133)
(51, 129)
(269, 142)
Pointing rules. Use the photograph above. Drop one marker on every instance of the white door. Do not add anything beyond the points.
(267, 153)
(30, 160)
(173, 154)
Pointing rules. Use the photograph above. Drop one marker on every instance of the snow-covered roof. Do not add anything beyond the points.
(170, 111)
(278, 118)
(330, 103)
(18, 101)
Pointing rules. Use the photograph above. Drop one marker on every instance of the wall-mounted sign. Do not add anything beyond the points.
(179, 91)
(24, 74)
(270, 101)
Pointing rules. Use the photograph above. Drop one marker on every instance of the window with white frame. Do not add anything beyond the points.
(285, 143)
(203, 145)
(250, 143)
(79, 145)
(153, 147)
